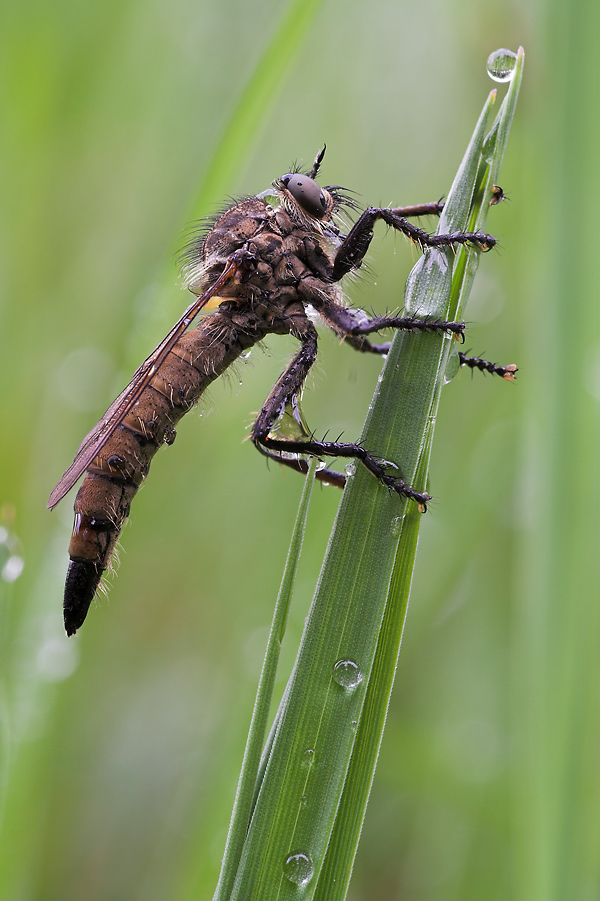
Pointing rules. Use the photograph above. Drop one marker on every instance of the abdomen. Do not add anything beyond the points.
(104, 499)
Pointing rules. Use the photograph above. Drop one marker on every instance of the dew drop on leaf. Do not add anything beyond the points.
(298, 868)
(501, 65)
(347, 673)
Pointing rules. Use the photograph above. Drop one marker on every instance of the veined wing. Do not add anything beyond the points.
(93, 442)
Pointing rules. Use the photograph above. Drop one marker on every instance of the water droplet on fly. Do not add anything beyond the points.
(350, 468)
(360, 317)
(501, 65)
(347, 674)
(298, 868)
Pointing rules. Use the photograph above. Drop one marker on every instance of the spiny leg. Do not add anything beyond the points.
(298, 464)
(354, 325)
(288, 386)
(353, 248)
(505, 372)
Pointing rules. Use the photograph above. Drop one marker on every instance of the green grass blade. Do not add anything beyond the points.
(336, 871)
(316, 734)
(245, 795)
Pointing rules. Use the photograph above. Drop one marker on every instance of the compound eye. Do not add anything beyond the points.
(307, 193)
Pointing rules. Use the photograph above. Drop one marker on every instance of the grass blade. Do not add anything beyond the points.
(372, 546)
(242, 809)
(336, 871)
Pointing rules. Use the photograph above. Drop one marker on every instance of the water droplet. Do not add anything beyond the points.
(347, 674)
(299, 868)
(396, 526)
(431, 276)
(360, 317)
(350, 468)
(451, 369)
(501, 65)
(308, 758)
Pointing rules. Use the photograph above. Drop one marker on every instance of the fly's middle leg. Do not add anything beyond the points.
(354, 326)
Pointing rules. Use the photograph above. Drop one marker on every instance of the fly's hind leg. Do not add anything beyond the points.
(476, 363)
(299, 464)
(285, 390)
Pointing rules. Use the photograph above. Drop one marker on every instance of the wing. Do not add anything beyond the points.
(93, 443)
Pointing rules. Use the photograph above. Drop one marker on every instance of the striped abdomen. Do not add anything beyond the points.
(111, 481)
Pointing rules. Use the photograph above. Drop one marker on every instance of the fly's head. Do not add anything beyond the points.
(305, 202)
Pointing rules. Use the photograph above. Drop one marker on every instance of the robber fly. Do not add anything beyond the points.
(260, 267)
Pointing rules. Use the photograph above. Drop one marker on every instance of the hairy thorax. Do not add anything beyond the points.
(292, 259)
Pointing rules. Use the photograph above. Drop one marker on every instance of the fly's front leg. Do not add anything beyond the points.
(352, 250)
(285, 389)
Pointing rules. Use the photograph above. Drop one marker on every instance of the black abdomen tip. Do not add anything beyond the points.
(82, 581)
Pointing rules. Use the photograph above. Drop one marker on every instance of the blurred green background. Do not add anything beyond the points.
(121, 122)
